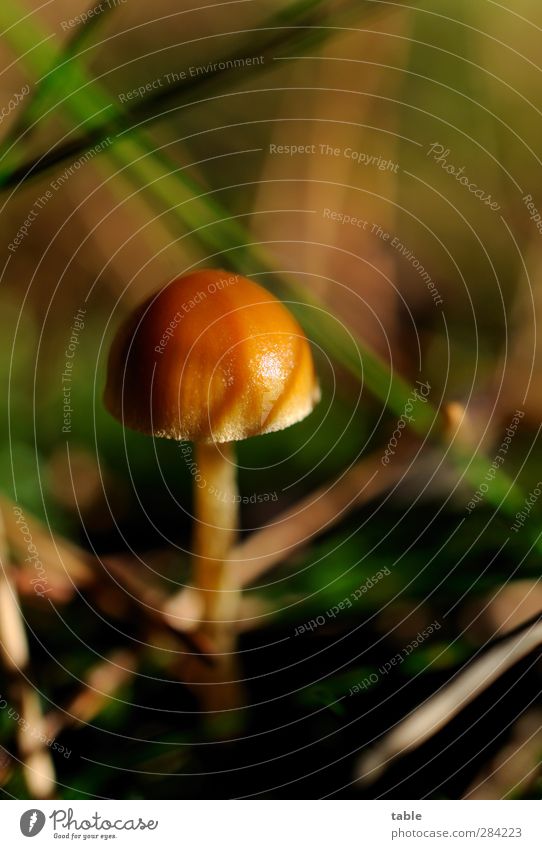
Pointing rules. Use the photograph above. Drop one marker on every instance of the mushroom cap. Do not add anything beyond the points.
(211, 357)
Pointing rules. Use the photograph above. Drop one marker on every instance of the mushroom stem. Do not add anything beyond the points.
(217, 519)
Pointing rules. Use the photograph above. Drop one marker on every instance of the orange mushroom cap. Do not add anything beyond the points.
(212, 357)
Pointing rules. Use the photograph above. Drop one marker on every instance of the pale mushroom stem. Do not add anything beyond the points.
(216, 509)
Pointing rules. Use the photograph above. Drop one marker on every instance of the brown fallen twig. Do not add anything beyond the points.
(101, 683)
(67, 568)
(62, 564)
(427, 719)
(297, 526)
(37, 763)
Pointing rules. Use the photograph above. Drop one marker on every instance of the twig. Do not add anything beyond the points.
(70, 568)
(101, 682)
(13, 643)
(152, 602)
(439, 709)
(296, 527)
(38, 767)
(66, 563)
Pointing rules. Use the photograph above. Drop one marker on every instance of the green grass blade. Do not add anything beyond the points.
(171, 190)
(299, 27)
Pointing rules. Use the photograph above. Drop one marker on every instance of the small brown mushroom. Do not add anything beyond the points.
(211, 358)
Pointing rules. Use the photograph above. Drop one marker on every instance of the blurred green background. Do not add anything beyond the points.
(183, 174)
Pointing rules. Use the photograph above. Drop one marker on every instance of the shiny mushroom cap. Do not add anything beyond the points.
(212, 357)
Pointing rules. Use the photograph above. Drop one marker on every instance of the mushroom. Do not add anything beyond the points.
(212, 358)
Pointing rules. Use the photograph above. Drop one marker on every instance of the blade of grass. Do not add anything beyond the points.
(301, 26)
(34, 107)
(134, 155)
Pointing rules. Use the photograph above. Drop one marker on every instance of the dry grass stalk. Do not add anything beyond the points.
(38, 767)
(427, 719)
(66, 564)
(101, 683)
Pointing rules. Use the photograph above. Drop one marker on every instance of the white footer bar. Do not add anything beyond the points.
(268, 824)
